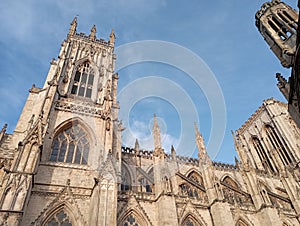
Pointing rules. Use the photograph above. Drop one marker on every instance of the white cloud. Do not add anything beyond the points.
(141, 131)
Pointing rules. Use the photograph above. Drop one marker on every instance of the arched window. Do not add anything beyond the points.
(130, 221)
(230, 182)
(83, 80)
(194, 176)
(71, 145)
(190, 221)
(279, 145)
(59, 219)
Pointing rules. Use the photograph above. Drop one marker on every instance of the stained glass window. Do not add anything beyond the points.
(71, 145)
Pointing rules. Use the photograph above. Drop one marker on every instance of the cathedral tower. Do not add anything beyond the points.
(67, 141)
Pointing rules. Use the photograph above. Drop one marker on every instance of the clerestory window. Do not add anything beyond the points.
(71, 145)
(83, 80)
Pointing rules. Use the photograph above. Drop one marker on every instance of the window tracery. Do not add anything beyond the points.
(196, 178)
(190, 221)
(233, 193)
(59, 219)
(130, 221)
(83, 80)
(187, 190)
(71, 145)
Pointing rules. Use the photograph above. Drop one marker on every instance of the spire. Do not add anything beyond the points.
(92, 35)
(112, 37)
(73, 26)
(156, 134)
(200, 143)
(137, 147)
(173, 152)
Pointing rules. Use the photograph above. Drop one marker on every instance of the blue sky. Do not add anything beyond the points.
(222, 33)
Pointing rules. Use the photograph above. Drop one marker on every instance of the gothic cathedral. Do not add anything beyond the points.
(65, 164)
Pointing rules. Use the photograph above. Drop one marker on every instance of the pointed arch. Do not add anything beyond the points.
(71, 143)
(191, 219)
(62, 212)
(77, 120)
(133, 217)
(229, 181)
(195, 176)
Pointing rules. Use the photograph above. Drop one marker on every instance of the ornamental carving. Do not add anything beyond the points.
(83, 108)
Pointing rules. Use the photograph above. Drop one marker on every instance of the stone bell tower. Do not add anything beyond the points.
(277, 23)
(66, 145)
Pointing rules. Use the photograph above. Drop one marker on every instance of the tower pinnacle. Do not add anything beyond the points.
(112, 37)
(73, 27)
(199, 142)
(156, 134)
(92, 35)
(202, 154)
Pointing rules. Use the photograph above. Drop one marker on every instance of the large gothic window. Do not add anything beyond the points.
(59, 219)
(70, 145)
(83, 80)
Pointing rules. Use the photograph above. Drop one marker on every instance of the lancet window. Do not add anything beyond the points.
(71, 145)
(83, 80)
(279, 145)
(263, 154)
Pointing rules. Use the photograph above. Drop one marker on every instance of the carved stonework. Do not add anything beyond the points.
(82, 107)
